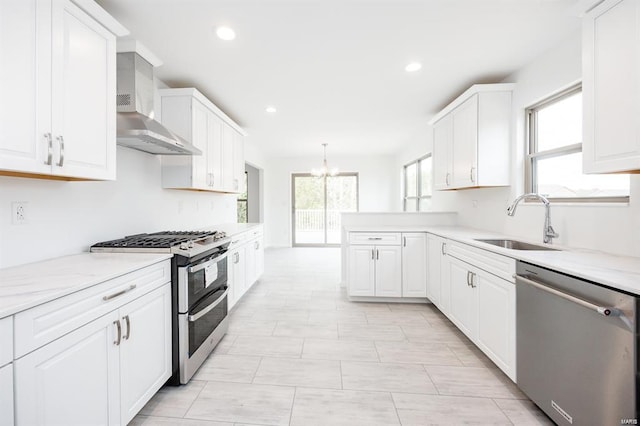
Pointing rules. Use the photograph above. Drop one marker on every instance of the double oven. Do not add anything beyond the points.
(199, 283)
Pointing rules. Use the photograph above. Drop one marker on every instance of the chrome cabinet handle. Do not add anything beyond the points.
(373, 254)
(404, 241)
(442, 248)
(236, 257)
(126, 320)
(60, 140)
(256, 245)
(119, 293)
(471, 174)
(375, 238)
(47, 137)
(446, 179)
(119, 328)
(471, 281)
(468, 278)
(205, 265)
(377, 254)
(602, 310)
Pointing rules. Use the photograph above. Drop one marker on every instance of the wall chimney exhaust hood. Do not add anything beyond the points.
(136, 127)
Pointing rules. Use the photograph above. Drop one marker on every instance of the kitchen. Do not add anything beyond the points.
(66, 218)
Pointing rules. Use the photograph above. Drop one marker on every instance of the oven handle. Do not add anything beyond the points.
(602, 310)
(204, 265)
(196, 317)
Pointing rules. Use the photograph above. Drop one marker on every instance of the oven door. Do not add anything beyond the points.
(200, 331)
(197, 280)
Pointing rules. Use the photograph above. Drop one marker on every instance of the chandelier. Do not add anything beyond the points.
(324, 171)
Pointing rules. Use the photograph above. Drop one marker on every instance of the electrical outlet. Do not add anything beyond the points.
(19, 213)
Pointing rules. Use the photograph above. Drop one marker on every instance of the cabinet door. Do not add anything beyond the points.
(83, 94)
(25, 85)
(362, 271)
(611, 87)
(74, 380)
(214, 151)
(442, 152)
(496, 320)
(6, 395)
(250, 264)
(388, 266)
(464, 306)
(414, 264)
(239, 271)
(434, 253)
(238, 163)
(227, 158)
(465, 143)
(145, 352)
(200, 177)
(259, 257)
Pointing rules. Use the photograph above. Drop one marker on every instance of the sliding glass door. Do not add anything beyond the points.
(317, 204)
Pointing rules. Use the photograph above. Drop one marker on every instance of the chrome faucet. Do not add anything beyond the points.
(548, 232)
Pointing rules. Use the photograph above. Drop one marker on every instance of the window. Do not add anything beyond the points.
(242, 201)
(554, 162)
(418, 185)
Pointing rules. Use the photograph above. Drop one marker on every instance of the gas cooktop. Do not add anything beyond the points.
(185, 243)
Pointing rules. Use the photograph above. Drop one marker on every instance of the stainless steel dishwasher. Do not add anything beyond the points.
(577, 342)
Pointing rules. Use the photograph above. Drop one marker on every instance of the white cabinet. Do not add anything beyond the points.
(57, 112)
(471, 139)
(237, 274)
(6, 395)
(103, 371)
(375, 271)
(435, 256)
(192, 116)
(443, 152)
(611, 87)
(245, 263)
(145, 352)
(414, 264)
(496, 320)
(464, 298)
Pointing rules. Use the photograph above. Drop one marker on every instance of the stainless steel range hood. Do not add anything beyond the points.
(136, 127)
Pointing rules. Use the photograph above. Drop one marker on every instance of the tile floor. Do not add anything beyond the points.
(299, 353)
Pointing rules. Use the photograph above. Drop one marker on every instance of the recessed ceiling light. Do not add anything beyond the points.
(225, 33)
(270, 109)
(413, 66)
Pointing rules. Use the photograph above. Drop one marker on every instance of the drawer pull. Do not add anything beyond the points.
(119, 293)
(375, 238)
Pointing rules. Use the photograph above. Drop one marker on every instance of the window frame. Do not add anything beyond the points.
(419, 197)
(532, 153)
(244, 201)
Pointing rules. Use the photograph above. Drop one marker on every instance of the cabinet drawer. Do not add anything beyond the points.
(496, 264)
(238, 240)
(6, 340)
(45, 323)
(375, 238)
(257, 232)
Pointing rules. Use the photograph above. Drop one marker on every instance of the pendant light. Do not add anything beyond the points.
(324, 171)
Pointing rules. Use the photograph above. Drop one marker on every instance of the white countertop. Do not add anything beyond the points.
(25, 286)
(235, 228)
(619, 272)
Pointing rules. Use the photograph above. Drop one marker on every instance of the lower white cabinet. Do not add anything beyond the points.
(464, 298)
(435, 254)
(236, 270)
(245, 263)
(6, 395)
(375, 271)
(414, 264)
(101, 373)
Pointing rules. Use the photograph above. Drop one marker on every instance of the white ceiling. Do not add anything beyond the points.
(335, 69)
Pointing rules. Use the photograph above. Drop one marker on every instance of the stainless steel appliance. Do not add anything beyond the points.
(199, 290)
(577, 341)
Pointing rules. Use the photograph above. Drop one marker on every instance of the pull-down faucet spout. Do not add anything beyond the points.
(548, 233)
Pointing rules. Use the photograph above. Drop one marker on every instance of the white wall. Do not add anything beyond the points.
(67, 217)
(610, 228)
(377, 187)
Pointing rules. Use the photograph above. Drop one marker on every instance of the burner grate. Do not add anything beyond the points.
(166, 239)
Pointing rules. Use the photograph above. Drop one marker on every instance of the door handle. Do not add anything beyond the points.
(49, 140)
(404, 241)
(119, 328)
(471, 175)
(473, 277)
(377, 254)
(60, 140)
(442, 248)
(446, 179)
(126, 320)
(468, 278)
(373, 254)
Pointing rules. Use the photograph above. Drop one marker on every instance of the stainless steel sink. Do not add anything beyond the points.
(516, 245)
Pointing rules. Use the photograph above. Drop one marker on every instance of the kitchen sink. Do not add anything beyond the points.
(516, 245)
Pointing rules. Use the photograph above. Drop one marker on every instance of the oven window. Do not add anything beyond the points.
(206, 280)
(201, 328)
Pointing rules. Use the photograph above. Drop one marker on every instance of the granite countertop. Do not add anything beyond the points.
(25, 286)
(615, 271)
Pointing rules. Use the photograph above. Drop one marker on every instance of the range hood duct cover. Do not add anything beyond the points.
(136, 127)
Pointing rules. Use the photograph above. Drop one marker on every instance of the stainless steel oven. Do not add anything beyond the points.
(202, 310)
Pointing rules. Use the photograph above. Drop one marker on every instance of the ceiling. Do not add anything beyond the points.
(334, 69)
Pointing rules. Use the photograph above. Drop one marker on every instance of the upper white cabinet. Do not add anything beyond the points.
(58, 85)
(221, 166)
(471, 139)
(611, 87)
